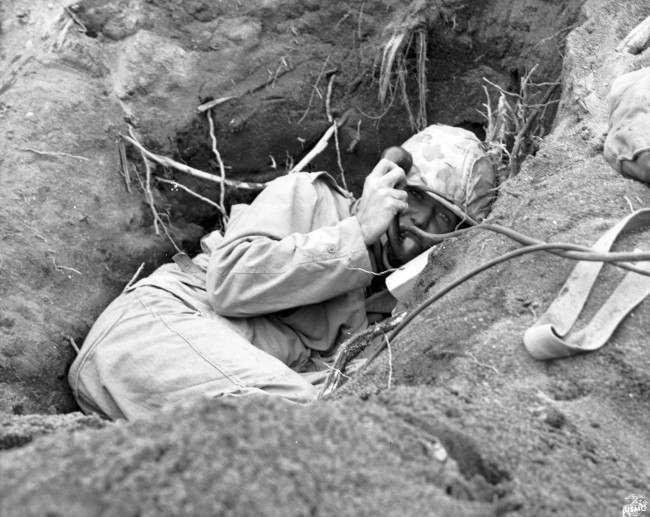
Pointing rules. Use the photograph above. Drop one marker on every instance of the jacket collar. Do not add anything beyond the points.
(329, 179)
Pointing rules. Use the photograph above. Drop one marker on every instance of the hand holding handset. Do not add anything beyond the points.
(401, 282)
(401, 157)
(381, 200)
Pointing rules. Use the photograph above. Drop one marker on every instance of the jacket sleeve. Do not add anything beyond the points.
(274, 258)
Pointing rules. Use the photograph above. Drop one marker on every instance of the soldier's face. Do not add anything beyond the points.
(424, 213)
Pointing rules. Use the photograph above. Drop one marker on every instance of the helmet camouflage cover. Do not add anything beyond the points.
(451, 161)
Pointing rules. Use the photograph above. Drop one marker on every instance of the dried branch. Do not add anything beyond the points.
(479, 363)
(73, 344)
(339, 162)
(514, 121)
(390, 361)
(134, 277)
(393, 63)
(421, 36)
(222, 169)
(211, 104)
(58, 267)
(502, 90)
(168, 162)
(157, 221)
(60, 39)
(55, 153)
(175, 184)
(525, 129)
(351, 347)
(401, 75)
(314, 90)
(391, 49)
(149, 194)
(75, 18)
(328, 98)
(124, 165)
(357, 138)
(321, 145)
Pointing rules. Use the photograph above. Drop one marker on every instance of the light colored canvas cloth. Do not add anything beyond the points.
(629, 120)
(285, 283)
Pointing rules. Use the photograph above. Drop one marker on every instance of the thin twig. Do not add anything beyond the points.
(357, 138)
(316, 150)
(175, 184)
(134, 277)
(505, 92)
(73, 344)
(341, 20)
(479, 363)
(171, 239)
(211, 104)
(527, 124)
(390, 361)
(328, 98)
(75, 18)
(272, 78)
(283, 62)
(149, 196)
(382, 115)
(336, 371)
(222, 169)
(381, 273)
(58, 43)
(351, 347)
(55, 153)
(124, 165)
(314, 90)
(321, 145)
(401, 75)
(629, 203)
(36, 232)
(339, 162)
(168, 162)
(63, 268)
(422, 78)
(359, 20)
(387, 60)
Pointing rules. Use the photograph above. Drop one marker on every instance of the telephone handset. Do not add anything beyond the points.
(399, 156)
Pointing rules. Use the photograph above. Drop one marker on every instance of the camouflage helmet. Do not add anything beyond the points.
(451, 161)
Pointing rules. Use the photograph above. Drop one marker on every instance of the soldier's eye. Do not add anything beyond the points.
(416, 194)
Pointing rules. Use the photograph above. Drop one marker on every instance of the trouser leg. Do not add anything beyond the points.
(149, 349)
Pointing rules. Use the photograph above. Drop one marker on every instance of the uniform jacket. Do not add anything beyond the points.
(289, 272)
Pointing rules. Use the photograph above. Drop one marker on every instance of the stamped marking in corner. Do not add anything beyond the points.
(636, 505)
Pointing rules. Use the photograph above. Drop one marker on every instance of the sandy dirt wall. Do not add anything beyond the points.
(73, 232)
(522, 438)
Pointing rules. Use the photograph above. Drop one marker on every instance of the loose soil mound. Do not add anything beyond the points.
(260, 457)
(568, 437)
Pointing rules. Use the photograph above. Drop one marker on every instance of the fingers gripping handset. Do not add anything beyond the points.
(400, 157)
(403, 159)
(382, 199)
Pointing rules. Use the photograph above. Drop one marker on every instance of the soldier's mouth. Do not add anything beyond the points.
(408, 231)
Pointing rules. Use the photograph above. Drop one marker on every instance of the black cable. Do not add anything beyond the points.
(436, 296)
(571, 251)
(565, 250)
